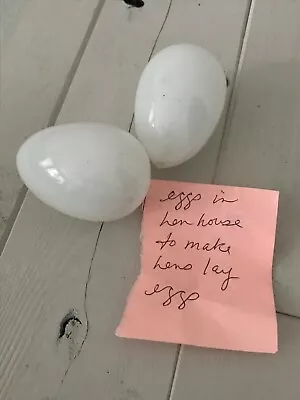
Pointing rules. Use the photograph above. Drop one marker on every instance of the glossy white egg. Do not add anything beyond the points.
(179, 101)
(89, 171)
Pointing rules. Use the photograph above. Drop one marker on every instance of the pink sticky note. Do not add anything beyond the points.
(206, 268)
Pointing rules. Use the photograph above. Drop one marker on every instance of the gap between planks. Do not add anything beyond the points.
(229, 112)
(69, 80)
(238, 69)
(102, 225)
(55, 112)
(153, 47)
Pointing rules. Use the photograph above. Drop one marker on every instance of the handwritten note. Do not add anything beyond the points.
(206, 274)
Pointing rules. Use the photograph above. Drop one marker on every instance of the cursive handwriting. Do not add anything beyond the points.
(172, 294)
(174, 222)
(217, 221)
(184, 200)
(218, 270)
(169, 265)
(219, 245)
(217, 199)
(169, 241)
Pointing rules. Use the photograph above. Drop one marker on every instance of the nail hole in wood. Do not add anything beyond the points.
(70, 317)
(134, 3)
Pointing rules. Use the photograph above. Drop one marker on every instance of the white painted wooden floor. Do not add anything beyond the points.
(63, 284)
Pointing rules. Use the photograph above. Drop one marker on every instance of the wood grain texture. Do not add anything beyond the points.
(262, 143)
(40, 41)
(39, 284)
(63, 267)
(44, 293)
(225, 375)
(261, 149)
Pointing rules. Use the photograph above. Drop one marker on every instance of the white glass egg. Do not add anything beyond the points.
(89, 171)
(179, 101)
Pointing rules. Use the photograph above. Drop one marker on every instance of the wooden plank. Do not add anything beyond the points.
(261, 149)
(224, 375)
(40, 41)
(35, 298)
(35, 295)
(59, 255)
(262, 145)
(10, 16)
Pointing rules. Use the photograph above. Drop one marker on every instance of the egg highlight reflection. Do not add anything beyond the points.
(89, 171)
(179, 101)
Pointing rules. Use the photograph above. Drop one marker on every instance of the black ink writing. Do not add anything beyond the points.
(174, 222)
(190, 245)
(219, 270)
(222, 199)
(169, 265)
(184, 200)
(217, 221)
(218, 245)
(212, 268)
(180, 294)
(169, 241)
